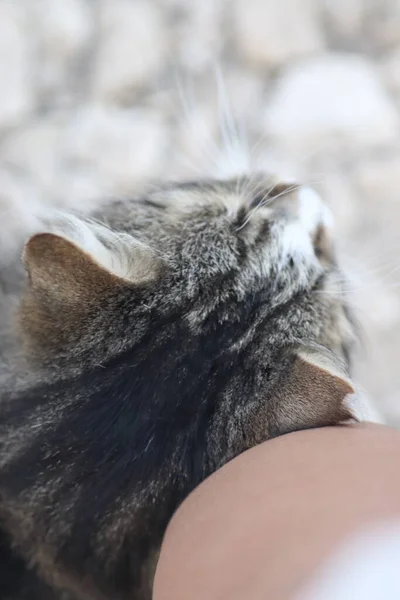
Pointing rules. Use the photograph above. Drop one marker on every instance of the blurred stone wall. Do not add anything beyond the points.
(98, 96)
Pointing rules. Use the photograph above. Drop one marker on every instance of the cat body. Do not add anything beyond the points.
(159, 341)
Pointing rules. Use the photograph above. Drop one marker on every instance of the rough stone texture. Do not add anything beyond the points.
(346, 18)
(98, 96)
(31, 152)
(131, 48)
(122, 146)
(64, 32)
(198, 40)
(271, 32)
(16, 98)
(383, 23)
(390, 70)
(335, 99)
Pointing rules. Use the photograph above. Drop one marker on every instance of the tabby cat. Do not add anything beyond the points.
(157, 341)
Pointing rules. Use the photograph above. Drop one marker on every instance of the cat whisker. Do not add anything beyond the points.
(205, 141)
(354, 290)
(235, 141)
(190, 164)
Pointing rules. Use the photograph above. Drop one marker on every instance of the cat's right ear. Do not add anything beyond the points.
(315, 392)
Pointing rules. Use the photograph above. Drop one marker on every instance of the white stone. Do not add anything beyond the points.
(379, 182)
(35, 152)
(40, 155)
(65, 26)
(383, 25)
(64, 30)
(119, 148)
(273, 31)
(390, 70)
(331, 100)
(132, 47)
(199, 36)
(345, 16)
(16, 97)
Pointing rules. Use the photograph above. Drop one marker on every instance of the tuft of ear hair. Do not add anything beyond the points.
(315, 392)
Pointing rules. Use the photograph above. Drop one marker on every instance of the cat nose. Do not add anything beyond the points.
(313, 214)
(305, 213)
(302, 204)
(318, 221)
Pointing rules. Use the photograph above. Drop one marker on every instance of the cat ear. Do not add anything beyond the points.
(72, 270)
(59, 270)
(315, 393)
(73, 282)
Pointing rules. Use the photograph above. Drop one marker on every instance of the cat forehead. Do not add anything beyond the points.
(232, 197)
(229, 195)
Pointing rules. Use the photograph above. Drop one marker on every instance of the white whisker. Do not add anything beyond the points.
(235, 142)
(204, 140)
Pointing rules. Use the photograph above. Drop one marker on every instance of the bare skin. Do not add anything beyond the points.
(262, 525)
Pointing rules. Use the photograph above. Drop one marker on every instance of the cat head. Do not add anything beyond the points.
(236, 279)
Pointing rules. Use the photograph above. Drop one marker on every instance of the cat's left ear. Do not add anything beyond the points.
(70, 271)
(76, 286)
(315, 392)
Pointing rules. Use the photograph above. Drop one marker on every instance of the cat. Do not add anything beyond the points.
(157, 341)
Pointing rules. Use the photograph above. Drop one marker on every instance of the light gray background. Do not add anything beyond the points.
(98, 96)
